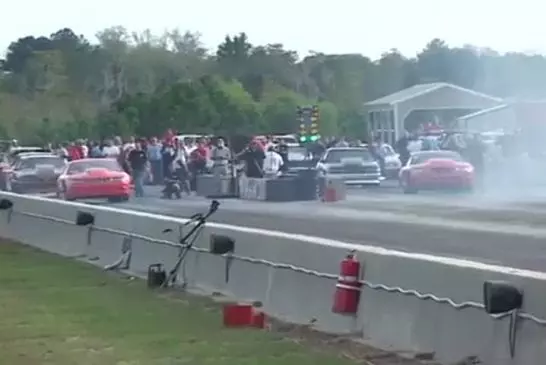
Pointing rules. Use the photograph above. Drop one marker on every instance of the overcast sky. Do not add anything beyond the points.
(343, 26)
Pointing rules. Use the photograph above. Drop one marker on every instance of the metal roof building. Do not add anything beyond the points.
(510, 116)
(386, 115)
(498, 117)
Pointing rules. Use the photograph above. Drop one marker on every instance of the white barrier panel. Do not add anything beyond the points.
(410, 302)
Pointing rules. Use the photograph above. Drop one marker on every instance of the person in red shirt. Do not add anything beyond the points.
(201, 152)
(169, 137)
(75, 152)
(432, 128)
(198, 162)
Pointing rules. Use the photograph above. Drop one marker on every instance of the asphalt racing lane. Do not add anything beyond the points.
(515, 250)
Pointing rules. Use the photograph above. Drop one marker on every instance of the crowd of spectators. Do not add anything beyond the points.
(152, 161)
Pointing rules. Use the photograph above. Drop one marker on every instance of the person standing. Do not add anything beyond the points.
(401, 147)
(154, 156)
(95, 151)
(272, 163)
(180, 166)
(220, 157)
(83, 148)
(198, 163)
(63, 151)
(283, 152)
(74, 152)
(138, 161)
(254, 160)
(377, 150)
(110, 149)
(167, 157)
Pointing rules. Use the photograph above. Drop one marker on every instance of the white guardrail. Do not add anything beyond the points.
(410, 302)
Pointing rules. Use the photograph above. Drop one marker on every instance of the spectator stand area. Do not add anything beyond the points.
(406, 109)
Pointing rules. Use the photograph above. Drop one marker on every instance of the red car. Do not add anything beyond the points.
(94, 179)
(429, 170)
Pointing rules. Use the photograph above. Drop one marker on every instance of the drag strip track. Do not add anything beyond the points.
(515, 250)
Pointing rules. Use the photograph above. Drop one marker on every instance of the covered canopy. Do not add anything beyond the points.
(386, 115)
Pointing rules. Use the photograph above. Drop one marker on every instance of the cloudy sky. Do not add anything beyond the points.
(343, 26)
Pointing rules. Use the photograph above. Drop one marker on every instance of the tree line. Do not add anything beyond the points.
(63, 86)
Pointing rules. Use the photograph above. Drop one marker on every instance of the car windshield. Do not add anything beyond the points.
(84, 165)
(297, 153)
(337, 155)
(34, 161)
(288, 139)
(19, 151)
(423, 157)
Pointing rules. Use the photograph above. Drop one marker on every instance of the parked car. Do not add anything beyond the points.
(33, 172)
(299, 158)
(7, 158)
(101, 178)
(428, 170)
(353, 165)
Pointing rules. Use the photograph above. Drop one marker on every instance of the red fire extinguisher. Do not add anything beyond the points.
(348, 287)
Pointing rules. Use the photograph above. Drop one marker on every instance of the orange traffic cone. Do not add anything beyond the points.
(330, 194)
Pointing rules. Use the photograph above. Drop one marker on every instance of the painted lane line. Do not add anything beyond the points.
(378, 216)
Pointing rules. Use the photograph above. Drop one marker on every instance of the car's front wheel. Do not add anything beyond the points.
(406, 186)
(7, 185)
(61, 193)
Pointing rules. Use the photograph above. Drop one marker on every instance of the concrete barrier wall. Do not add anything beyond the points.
(410, 302)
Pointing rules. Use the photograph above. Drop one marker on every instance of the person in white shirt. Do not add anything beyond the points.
(180, 166)
(190, 145)
(110, 150)
(130, 145)
(62, 151)
(414, 145)
(272, 163)
(85, 149)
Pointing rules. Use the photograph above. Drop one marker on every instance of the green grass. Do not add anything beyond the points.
(60, 312)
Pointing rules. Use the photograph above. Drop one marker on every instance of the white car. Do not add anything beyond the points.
(353, 165)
